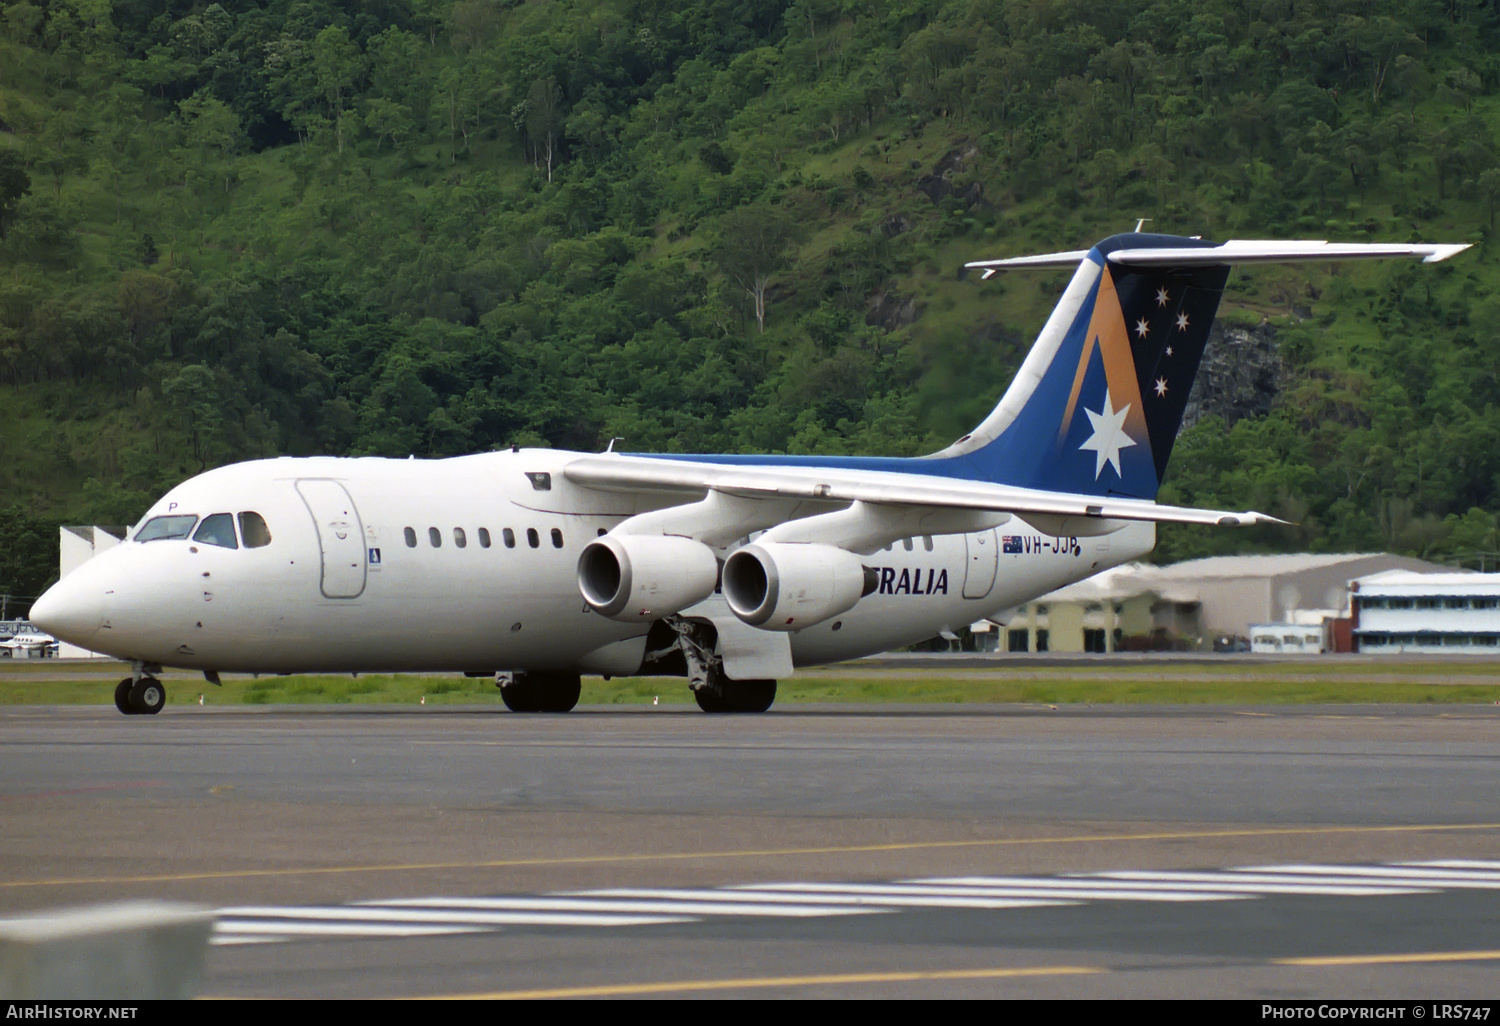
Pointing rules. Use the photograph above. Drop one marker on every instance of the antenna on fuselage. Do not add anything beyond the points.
(1141, 224)
(611, 446)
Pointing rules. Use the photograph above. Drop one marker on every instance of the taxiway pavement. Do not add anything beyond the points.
(436, 851)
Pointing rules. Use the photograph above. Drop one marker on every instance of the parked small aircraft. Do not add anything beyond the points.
(28, 645)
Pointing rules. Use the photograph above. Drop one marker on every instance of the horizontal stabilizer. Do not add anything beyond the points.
(1069, 260)
(1235, 251)
(1271, 251)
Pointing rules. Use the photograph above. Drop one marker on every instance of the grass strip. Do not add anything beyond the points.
(1073, 686)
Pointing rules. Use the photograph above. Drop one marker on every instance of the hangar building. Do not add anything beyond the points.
(1188, 605)
(1400, 611)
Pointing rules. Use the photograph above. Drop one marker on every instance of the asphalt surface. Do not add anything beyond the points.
(286, 816)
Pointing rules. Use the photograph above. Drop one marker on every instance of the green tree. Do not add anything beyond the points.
(14, 183)
(544, 120)
(28, 557)
(752, 246)
(214, 131)
(196, 406)
(337, 65)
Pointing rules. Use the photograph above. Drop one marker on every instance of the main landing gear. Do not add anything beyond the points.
(142, 695)
(736, 696)
(539, 692)
(712, 690)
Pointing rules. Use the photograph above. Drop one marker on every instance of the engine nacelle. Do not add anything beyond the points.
(788, 586)
(637, 578)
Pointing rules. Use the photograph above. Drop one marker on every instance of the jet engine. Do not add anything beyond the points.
(637, 578)
(787, 586)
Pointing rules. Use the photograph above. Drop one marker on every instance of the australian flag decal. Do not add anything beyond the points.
(1010, 544)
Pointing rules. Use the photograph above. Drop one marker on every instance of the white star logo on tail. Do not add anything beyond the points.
(1109, 436)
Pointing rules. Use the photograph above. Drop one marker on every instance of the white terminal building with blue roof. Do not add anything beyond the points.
(1401, 611)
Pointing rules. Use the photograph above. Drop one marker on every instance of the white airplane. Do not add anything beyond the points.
(27, 641)
(537, 565)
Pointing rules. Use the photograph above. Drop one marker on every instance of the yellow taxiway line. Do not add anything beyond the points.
(767, 982)
(1415, 957)
(687, 856)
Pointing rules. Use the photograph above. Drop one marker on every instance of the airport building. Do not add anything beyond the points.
(1289, 638)
(1450, 612)
(1201, 604)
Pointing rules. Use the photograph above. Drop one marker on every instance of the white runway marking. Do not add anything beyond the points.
(979, 887)
(457, 911)
(1413, 875)
(289, 927)
(583, 902)
(1264, 883)
(635, 906)
(890, 897)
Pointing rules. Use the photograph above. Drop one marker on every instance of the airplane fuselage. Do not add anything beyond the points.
(470, 564)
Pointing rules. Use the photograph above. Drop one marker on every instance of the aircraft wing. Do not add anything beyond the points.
(623, 473)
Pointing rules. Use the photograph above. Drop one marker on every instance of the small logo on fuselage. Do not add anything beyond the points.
(1030, 544)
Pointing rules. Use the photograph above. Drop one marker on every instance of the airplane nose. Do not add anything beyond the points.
(72, 610)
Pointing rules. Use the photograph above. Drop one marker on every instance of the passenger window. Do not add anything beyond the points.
(906, 544)
(484, 537)
(217, 530)
(459, 538)
(602, 532)
(435, 537)
(164, 528)
(540, 480)
(510, 538)
(411, 538)
(254, 530)
(532, 538)
(556, 538)
(927, 542)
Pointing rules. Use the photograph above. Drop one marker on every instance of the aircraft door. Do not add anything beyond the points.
(979, 574)
(341, 537)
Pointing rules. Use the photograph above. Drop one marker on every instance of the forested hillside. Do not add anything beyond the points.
(427, 227)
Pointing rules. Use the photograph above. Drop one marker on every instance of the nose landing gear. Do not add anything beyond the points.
(140, 694)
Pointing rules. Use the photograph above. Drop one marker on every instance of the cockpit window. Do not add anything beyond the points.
(162, 528)
(254, 530)
(217, 530)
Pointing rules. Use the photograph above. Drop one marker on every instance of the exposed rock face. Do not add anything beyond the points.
(939, 183)
(895, 225)
(935, 186)
(1239, 377)
(891, 310)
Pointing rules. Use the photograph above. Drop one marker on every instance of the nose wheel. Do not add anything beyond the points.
(143, 697)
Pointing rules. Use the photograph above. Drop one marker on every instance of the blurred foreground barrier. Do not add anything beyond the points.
(134, 949)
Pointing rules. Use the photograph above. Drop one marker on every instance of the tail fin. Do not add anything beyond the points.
(1096, 406)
